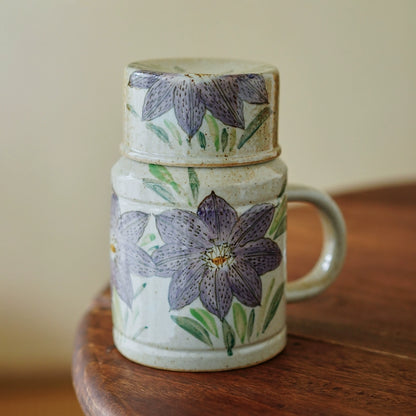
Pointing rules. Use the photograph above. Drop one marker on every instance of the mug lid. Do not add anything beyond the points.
(201, 112)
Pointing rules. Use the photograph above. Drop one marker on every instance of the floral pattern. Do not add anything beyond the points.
(126, 256)
(216, 254)
(191, 95)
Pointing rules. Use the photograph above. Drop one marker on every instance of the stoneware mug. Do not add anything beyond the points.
(198, 218)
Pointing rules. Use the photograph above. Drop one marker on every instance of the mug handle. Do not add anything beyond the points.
(334, 246)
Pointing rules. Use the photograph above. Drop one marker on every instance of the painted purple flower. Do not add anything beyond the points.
(190, 96)
(215, 254)
(126, 256)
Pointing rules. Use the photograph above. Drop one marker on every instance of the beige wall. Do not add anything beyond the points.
(347, 120)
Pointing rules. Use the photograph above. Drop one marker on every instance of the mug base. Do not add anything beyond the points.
(199, 360)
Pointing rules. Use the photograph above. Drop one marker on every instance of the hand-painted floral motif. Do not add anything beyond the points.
(126, 256)
(215, 254)
(190, 96)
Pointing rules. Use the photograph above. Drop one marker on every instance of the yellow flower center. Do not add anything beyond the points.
(113, 248)
(218, 256)
(218, 261)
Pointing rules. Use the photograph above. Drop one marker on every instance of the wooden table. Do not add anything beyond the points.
(351, 351)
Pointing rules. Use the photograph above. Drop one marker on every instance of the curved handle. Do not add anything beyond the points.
(334, 247)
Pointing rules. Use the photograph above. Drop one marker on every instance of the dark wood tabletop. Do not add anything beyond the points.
(350, 351)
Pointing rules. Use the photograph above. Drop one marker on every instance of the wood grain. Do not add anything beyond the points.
(351, 351)
(373, 302)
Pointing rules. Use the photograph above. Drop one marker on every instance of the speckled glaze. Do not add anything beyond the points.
(235, 120)
(146, 332)
(198, 230)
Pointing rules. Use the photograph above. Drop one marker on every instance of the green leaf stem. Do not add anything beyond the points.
(132, 110)
(229, 337)
(280, 212)
(281, 228)
(193, 183)
(174, 131)
(240, 321)
(274, 304)
(139, 291)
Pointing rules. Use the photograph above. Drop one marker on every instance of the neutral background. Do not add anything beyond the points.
(348, 96)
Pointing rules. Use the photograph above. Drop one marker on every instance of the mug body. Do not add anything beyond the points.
(198, 260)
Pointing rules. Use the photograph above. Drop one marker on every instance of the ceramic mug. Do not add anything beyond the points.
(198, 250)
(199, 282)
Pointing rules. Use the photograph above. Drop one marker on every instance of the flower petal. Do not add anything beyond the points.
(218, 215)
(216, 294)
(220, 96)
(158, 100)
(142, 79)
(184, 286)
(245, 283)
(115, 213)
(252, 89)
(171, 258)
(189, 109)
(252, 224)
(120, 278)
(183, 228)
(138, 261)
(263, 255)
(131, 226)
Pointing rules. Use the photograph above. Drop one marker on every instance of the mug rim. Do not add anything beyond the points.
(202, 66)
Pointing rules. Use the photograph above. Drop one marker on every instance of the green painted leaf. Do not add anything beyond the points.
(159, 131)
(240, 321)
(147, 239)
(274, 304)
(269, 292)
(160, 189)
(139, 291)
(202, 140)
(193, 183)
(254, 126)
(250, 324)
(206, 319)
(161, 173)
(132, 110)
(139, 332)
(193, 327)
(233, 138)
(153, 248)
(174, 131)
(281, 228)
(229, 337)
(224, 139)
(278, 216)
(214, 130)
